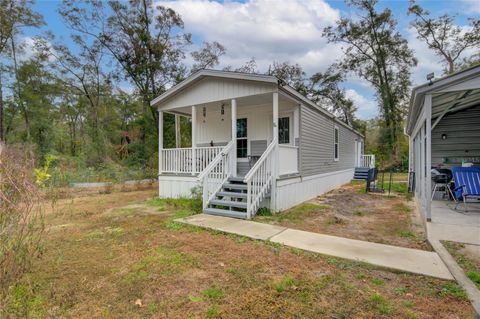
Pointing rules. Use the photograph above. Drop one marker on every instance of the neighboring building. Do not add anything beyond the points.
(256, 142)
(443, 126)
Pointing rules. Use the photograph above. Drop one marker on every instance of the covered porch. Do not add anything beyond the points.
(247, 122)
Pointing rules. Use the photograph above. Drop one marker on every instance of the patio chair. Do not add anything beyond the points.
(467, 183)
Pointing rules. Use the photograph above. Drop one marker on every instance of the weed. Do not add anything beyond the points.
(152, 307)
(406, 233)
(264, 211)
(407, 303)
(358, 212)
(232, 270)
(285, 283)
(213, 293)
(381, 304)
(212, 312)
(474, 276)
(195, 298)
(22, 302)
(378, 281)
(453, 289)
(400, 290)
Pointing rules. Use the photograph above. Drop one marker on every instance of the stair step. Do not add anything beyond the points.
(228, 203)
(235, 186)
(225, 213)
(232, 194)
(236, 179)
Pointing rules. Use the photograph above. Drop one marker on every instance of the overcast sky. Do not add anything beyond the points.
(291, 30)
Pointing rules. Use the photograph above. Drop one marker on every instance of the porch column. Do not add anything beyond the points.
(275, 165)
(234, 137)
(428, 115)
(160, 141)
(194, 139)
(178, 137)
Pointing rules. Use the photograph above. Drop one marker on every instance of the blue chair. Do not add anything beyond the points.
(467, 183)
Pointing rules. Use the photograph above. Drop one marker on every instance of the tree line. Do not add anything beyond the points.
(87, 98)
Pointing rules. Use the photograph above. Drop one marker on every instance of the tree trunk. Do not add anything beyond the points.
(2, 137)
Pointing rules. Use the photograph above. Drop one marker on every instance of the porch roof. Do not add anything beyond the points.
(261, 78)
(451, 93)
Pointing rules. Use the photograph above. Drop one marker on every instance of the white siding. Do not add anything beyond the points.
(216, 89)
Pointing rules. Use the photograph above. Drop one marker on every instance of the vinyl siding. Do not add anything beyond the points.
(463, 138)
(317, 144)
(216, 89)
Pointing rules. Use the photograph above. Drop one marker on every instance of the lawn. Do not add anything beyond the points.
(120, 255)
(467, 257)
(350, 212)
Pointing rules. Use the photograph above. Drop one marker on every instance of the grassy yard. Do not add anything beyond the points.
(467, 257)
(350, 212)
(120, 255)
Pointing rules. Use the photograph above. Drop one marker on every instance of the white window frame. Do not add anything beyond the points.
(290, 128)
(336, 143)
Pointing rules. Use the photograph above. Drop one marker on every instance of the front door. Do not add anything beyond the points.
(242, 146)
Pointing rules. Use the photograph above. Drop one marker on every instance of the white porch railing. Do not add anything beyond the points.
(179, 160)
(216, 173)
(176, 160)
(367, 161)
(259, 180)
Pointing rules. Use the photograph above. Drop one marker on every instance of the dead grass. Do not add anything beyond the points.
(350, 212)
(114, 256)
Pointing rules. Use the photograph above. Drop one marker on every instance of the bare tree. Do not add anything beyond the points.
(208, 56)
(447, 40)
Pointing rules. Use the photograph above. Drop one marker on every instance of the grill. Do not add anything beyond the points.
(442, 177)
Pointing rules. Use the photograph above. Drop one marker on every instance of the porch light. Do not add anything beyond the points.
(444, 136)
(222, 110)
(204, 112)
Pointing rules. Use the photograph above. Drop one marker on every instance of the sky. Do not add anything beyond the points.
(289, 30)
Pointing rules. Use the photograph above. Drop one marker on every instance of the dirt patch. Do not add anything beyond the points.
(115, 263)
(350, 212)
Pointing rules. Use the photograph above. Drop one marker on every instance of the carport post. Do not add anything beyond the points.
(428, 115)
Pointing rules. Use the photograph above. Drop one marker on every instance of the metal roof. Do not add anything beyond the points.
(444, 102)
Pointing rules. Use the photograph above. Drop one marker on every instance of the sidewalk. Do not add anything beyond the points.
(404, 259)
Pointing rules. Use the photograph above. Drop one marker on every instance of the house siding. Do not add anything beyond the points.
(317, 144)
(463, 138)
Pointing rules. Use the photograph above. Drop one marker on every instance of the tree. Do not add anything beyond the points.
(14, 15)
(447, 40)
(291, 74)
(375, 51)
(145, 42)
(208, 56)
(324, 89)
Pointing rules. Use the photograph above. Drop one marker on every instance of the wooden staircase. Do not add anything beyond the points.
(230, 200)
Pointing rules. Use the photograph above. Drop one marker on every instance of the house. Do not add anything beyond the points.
(256, 142)
(443, 126)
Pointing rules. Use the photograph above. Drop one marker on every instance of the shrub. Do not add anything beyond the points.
(21, 218)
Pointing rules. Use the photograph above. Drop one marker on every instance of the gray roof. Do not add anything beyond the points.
(452, 101)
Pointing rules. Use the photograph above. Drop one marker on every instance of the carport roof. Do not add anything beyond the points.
(450, 94)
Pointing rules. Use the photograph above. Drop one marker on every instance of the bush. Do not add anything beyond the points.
(21, 218)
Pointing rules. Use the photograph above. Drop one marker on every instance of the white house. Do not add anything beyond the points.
(256, 142)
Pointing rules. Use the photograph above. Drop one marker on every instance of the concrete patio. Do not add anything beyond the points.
(455, 225)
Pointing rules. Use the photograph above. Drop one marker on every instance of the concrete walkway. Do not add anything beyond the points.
(404, 259)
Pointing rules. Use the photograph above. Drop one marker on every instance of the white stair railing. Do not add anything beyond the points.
(205, 156)
(216, 173)
(259, 180)
(368, 160)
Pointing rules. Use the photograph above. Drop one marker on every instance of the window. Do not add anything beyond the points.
(335, 145)
(242, 142)
(284, 130)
